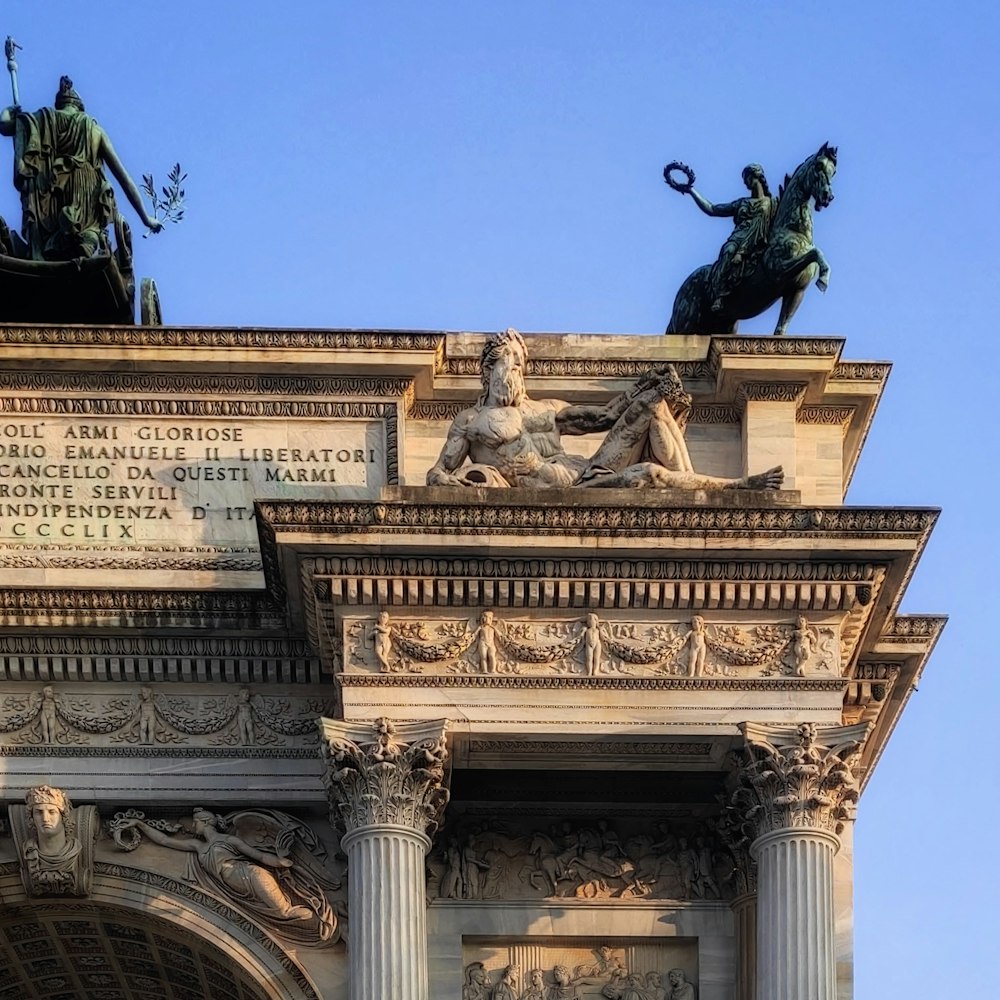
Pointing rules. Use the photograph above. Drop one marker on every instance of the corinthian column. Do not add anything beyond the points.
(796, 789)
(387, 789)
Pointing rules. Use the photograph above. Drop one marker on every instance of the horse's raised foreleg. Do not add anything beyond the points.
(796, 279)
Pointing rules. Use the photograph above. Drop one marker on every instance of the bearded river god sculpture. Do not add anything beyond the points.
(770, 254)
(514, 441)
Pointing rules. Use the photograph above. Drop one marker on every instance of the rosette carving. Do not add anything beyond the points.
(796, 777)
(380, 773)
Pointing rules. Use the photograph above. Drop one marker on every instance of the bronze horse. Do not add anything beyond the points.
(789, 262)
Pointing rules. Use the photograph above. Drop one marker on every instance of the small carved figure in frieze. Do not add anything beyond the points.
(608, 966)
(451, 880)
(147, 717)
(696, 647)
(655, 990)
(610, 844)
(47, 715)
(706, 869)
(629, 988)
(506, 989)
(680, 988)
(592, 647)
(286, 894)
(382, 634)
(55, 842)
(514, 441)
(536, 986)
(487, 644)
(472, 865)
(546, 872)
(244, 718)
(475, 987)
(562, 989)
(804, 640)
(687, 863)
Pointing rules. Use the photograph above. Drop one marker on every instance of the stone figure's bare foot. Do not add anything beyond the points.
(770, 480)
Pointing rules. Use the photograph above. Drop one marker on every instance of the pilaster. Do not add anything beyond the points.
(769, 431)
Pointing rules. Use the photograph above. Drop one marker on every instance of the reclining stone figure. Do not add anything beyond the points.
(514, 441)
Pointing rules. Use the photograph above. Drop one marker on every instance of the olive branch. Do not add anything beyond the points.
(168, 202)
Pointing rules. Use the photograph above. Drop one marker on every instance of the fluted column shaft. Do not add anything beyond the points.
(388, 911)
(795, 925)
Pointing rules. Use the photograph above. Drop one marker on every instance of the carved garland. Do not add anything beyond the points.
(156, 719)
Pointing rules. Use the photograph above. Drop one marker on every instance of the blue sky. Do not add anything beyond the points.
(474, 166)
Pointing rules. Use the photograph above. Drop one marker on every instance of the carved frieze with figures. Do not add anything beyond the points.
(493, 643)
(497, 859)
(151, 716)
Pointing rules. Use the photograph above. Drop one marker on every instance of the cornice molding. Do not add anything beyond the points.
(238, 338)
(170, 383)
(540, 515)
(769, 684)
(773, 347)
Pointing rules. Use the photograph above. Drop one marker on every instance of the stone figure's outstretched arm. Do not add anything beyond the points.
(727, 208)
(7, 117)
(165, 840)
(453, 454)
(588, 419)
(121, 175)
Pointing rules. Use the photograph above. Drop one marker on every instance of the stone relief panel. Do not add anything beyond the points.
(264, 862)
(54, 843)
(150, 716)
(575, 969)
(589, 646)
(497, 859)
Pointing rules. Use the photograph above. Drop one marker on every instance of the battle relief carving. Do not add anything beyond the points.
(262, 861)
(497, 859)
(604, 974)
(147, 717)
(55, 843)
(589, 646)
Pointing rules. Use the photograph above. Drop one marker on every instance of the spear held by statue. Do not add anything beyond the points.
(10, 49)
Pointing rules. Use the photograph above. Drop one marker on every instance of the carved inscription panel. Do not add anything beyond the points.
(120, 496)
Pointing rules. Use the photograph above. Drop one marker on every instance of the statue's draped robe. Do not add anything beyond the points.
(66, 200)
(752, 226)
(222, 868)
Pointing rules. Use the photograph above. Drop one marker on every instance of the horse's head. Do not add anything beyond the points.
(822, 167)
